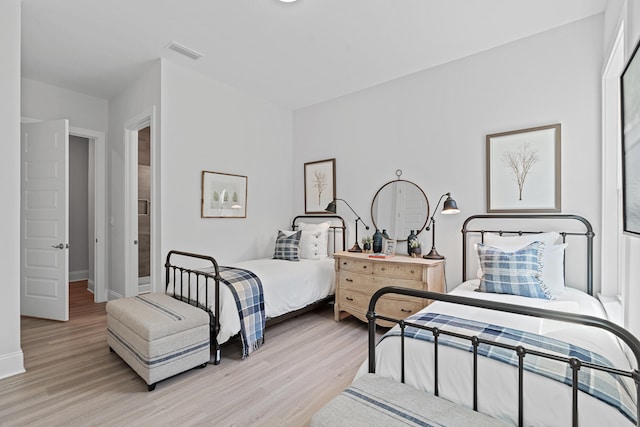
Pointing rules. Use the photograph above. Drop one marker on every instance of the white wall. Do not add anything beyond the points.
(138, 98)
(46, 102)
(11, 358)
(433, 124)
(612, 16)
(209, 126)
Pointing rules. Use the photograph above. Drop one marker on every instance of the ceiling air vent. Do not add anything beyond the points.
(183, 50)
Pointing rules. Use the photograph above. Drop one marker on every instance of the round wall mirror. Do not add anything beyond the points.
(400, 206)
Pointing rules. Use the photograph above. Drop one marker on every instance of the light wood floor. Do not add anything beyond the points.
(73, 380)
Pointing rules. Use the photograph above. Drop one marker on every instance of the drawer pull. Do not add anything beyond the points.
(344, 262)
(413, 271)
(349, 298)
(348, 280)
(404, 310)
(364, 267)
(383, 269)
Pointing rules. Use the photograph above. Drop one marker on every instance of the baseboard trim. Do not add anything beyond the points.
(91, 286)
(113, 295)
(76, 276)
(11, 364)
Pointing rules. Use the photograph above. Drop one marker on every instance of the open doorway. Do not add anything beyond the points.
(141, 252)
(44, 219)
(45, 216)
(144, 210)
(97, 190)
(81, 213)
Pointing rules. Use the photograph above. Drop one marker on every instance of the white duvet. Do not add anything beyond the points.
(546, 402)
(287, 286)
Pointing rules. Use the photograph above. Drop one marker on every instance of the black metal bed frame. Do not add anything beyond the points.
(182, 276)
(588, 233)
(575, 364)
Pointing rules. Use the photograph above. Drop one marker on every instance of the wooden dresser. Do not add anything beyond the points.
(358, 277)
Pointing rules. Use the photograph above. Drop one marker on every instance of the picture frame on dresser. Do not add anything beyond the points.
(319, 185)
(524, 170)
(390, 247)
(224, 195)
(630, 112)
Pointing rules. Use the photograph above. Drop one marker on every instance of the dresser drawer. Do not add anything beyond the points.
(400, 271)
(356, 303)
(399, 308)
(355, 282)
(355, 265)
(378, 282)
(368, 284)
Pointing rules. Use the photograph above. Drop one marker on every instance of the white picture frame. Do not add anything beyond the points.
(390, 247)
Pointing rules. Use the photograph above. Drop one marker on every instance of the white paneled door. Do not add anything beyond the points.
(44, 220)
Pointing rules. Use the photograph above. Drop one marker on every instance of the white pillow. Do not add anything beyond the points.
(552, 257)
(553, 268)
(313, 243)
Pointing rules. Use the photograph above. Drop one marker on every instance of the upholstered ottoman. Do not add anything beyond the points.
(374, 401)
(157, 335)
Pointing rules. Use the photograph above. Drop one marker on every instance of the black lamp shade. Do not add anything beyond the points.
(450, 206)
(331, 207)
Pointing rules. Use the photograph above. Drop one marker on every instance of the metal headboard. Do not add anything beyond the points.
(588, 233)
(334, 228)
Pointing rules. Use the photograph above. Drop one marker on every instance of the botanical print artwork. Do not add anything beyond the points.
(519, 162)
(223, 195)
(319, 182)
(523, 170)
(218, 200)
(319, 185)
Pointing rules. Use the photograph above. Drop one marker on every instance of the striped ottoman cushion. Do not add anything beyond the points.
(374, 401)
(157, 335)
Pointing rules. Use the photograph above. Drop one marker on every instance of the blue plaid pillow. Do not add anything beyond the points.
(287, 246)
(516, 273)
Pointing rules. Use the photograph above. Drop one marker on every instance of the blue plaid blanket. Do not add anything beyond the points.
(247, 291)
(604, 386)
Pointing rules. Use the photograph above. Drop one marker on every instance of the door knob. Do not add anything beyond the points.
(58, 246)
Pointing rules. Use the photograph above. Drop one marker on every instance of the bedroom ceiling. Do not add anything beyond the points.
(292, 54)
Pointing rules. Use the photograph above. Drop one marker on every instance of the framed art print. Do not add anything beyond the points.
(523, 170)
(223, 195)
(319, 185)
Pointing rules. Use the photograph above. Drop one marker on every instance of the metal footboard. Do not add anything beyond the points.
(575, 364)
(183, 278)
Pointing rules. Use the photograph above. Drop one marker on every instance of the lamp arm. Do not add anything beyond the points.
(355, 213)
(432, 219)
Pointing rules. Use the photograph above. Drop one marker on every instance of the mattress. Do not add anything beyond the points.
(547, 402)
(287, 286)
